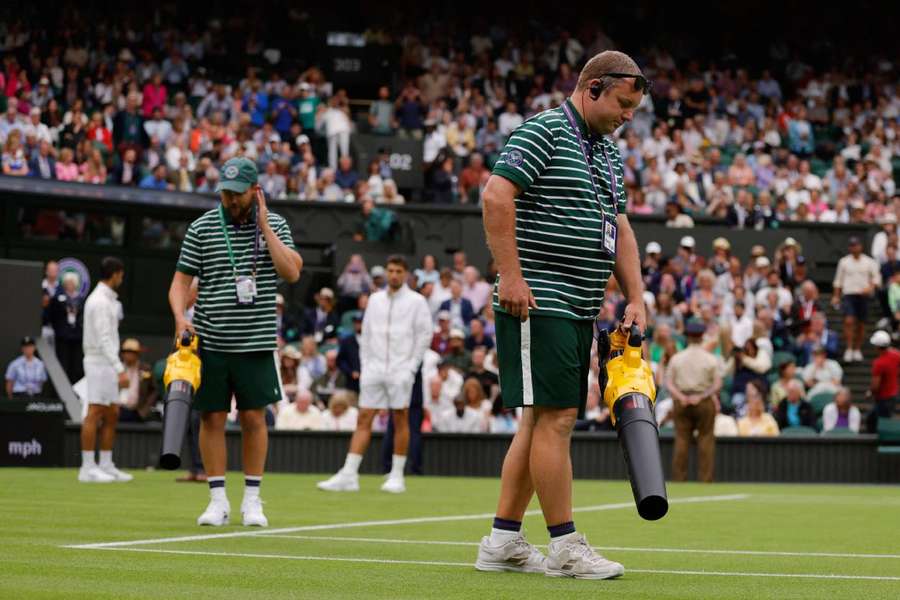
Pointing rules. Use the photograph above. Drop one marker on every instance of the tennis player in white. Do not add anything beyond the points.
(104, 373)
(396, 332)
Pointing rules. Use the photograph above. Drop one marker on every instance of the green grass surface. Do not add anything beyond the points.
(44, 510)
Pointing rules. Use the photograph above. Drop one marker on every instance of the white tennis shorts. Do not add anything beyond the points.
(102, 382)
(384, 392)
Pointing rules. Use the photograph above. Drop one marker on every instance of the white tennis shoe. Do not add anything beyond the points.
(515, 555)
(216, 514)
(94, 474)
(252, 513)
(118, 475)
(340, 482)
(574, 557)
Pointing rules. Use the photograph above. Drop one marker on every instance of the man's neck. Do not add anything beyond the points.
(579, 115)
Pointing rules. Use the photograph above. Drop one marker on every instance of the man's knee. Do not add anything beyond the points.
(401, 418)
(252, 419)
(213, 421)
(560, 421)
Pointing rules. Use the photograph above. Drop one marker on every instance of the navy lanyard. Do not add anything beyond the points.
(588, 155)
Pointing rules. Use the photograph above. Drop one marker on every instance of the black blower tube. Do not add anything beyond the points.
(639, 438)
(179, 397)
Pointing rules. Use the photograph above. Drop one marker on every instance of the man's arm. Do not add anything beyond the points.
(499, 214)
(287, 261)
(628, 274)
(179, 298)
(423, 330)
(107, 345)
(676, 394)
(9, 388)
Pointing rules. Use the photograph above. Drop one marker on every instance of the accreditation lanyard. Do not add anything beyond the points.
(609, 227)
(245, 286)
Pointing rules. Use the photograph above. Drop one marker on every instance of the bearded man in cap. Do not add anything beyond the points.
(238, 251)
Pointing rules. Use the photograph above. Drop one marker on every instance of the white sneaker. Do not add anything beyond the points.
(252, 513)
(394, 485)
(516, 555)
(117, 474)
(857, 355)
(848, 356)
(94, 474)
(341, 482)
(573, 557)
(216, 514)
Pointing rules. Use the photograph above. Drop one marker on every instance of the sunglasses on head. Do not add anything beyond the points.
(641, 83)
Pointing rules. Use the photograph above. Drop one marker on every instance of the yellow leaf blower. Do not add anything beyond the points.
(182, 378)
(628, 390)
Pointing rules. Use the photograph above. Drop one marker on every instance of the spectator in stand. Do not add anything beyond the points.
(749, 364)
(855, 281)
(272, 182)
(127, 172)
(757, 422)
(66, 169)
(477, 337)
(128, 127)
(300, 415)
(884, 389)
(460, 309)
(462, 418)
(341, 414)
(323, 320)
(457, 355)
(66, 315)
(490, 382)
(471, 177)
(794, 410)
(26, 375)
(840, 413)
(381, 113)
(348, 355)
(346, 176)
(94, 169)
(43, 164)
(11, 120)
(15, 163)
(137, 402)
(310, 359)
(157, 180)
(822, 374)
(817, 334)
(787, 372)
(353, 281)
(334, 122)
(378, 224)
(327, 384)
(475, 289)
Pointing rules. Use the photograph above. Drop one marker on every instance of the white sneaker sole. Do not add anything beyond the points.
(93, 480)
(264, 522)
(335, 488)
(210, 523)
(504, 567)
(393, 490)
(607, 575)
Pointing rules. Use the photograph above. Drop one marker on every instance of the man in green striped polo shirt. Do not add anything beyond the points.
(237, 251)
(554, 216)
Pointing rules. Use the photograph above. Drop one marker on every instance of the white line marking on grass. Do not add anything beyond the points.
(470, 565)
(324, 538)
(411, 521)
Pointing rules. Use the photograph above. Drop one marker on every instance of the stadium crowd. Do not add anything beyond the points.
(145, 108)
(762, 318)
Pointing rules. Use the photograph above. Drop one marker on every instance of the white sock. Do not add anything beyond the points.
(217, 492)
(397, 466)
(351, 465)
(250, 490)
(563, 538)
(87, 459)
(106, 459)
(501, 536)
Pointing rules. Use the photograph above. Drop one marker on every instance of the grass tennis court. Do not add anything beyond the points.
(718, 541)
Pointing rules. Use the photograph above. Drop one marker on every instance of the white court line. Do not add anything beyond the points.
(412, 521)
(470, 565)
(324, 538)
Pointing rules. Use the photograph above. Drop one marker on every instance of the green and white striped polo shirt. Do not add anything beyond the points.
(223, 324)
(558, 217)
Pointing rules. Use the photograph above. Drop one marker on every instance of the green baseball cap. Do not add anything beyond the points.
(237, 174)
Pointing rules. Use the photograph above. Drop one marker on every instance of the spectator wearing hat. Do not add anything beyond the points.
(348, 355)
(693, 379)
(377, 276)
(840, 413)
(885, 386)
(650, 266)
(855, 281)
(25, 375)
(457, 355)
(460, 309)
(721, 258)
(322, 321)
(787, 255)
(138, 400)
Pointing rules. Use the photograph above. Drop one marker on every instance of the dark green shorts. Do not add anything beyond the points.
(544, 361)
(252, 377)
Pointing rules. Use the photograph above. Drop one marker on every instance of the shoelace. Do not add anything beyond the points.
(582, 549)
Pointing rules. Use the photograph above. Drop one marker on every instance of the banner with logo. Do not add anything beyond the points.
(31, 433)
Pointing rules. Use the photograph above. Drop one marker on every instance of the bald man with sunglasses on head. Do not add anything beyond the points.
(554, 216)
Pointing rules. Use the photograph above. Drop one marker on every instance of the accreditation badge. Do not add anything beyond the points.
(609, 236)
(246, 289)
